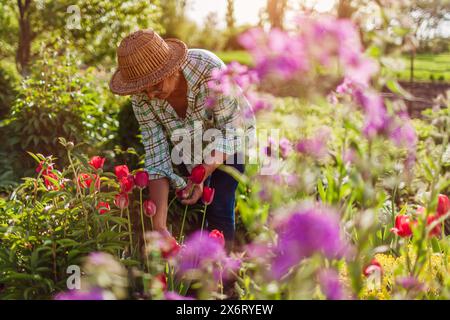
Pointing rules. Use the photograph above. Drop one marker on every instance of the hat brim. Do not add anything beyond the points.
(178, 55)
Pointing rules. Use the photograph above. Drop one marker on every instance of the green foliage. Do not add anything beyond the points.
(9, 80)
(57, 100)
(43, 230)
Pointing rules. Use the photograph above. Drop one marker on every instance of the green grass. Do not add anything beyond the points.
(243, 57)
(426, 66)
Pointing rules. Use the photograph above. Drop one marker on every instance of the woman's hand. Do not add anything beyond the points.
(195, 191)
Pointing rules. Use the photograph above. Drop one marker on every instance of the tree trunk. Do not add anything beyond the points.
(276, 10)
(25, 37)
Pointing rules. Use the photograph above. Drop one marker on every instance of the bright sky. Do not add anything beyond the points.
(246, 11)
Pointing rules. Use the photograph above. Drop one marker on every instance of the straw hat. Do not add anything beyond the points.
(145, 59)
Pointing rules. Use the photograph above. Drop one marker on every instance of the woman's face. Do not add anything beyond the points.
(164, 88)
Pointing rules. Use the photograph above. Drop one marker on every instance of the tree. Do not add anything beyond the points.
(101, 25)
(231, 21)
(173, 17)
(276, 10)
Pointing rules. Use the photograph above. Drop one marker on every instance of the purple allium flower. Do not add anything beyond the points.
(170, 295)
(330, 285)
(201, 252)
(285, 147)
(403, 133)
(377, 121)
(307, 231)
(275, 52)
(316, 146)
(410, 283)
(99, 258)
(95, 294)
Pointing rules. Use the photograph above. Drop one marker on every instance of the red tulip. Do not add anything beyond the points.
(103, 207)
(85, 180)
(374, 266)
(121, 200)
(170, 248)
(443, 205)
(402, 226)
(126, 184)
(121, 171)
(97, 162)
(141, 179)
(198, 174)
(217, 236)
(208, 195)
(149, 208)
(436, 231)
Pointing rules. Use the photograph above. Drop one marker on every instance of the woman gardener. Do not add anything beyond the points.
(169, 87)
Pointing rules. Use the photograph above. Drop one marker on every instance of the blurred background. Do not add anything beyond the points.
(56, 58)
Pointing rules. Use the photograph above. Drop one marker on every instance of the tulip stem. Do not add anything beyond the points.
(182, 224)
(78, 188)
(143, 228)
(203, 219)
(129, 232)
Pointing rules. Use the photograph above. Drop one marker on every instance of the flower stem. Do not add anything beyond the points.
(143, 227)
(129, 232)
(203, 219)
(78, 188)
(182, 224)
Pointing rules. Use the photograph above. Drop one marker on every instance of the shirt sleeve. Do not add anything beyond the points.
(158, 162)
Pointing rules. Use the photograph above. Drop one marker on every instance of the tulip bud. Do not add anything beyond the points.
(97, 162)
(443, 205)
(402, 226)
(70, 145)
(121, 171)
(217, 236)
(126, 184)
(149, 208)
(198, 174)
(141, 179)
(208, 195)
(121, 200)
(103, 207)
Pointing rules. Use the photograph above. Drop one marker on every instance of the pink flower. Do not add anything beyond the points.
(121, 200)
(103, 207)
(208, 195)
(126, 184)
(141, 179)
(217, 236)
(97, 162)
(149, 208)
(121, 171)
(198, 174)
(315, 147)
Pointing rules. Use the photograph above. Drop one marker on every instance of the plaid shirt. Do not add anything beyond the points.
(162, 128)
